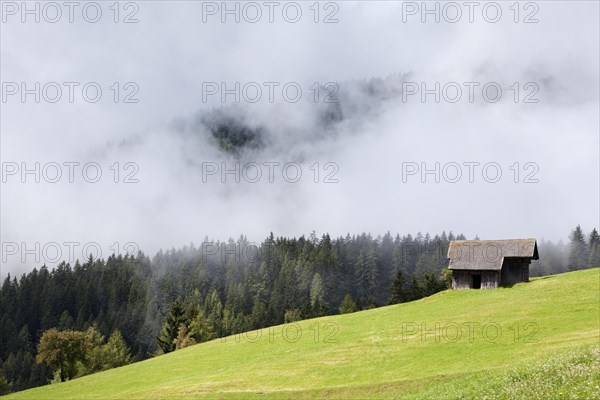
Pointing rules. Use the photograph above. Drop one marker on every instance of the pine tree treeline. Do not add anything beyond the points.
(222, 288)
(582, 251)
(195, 294)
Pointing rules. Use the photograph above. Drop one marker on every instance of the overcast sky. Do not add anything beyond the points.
(177, 55)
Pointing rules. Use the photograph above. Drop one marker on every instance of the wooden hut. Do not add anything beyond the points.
(487, 264)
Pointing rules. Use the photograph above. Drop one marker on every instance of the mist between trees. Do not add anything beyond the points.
(193, 294)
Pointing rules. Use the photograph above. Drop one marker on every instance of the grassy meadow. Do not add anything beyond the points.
(533, 340)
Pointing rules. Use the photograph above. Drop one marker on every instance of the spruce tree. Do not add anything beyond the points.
(372, 273)
(594, 247)
(348, 305)
(116, 351)
(416, 290)
(594, 238)
(5, 386)
(175, 317)
(396, 261)
(578, 251)
(361, 278)
(201, 329)
(431, 284)
(398, 293)
(317, 291)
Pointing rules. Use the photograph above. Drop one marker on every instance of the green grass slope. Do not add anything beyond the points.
(450, 345)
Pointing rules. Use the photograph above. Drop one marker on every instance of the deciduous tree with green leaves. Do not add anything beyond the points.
(183, 338)
(63, 350)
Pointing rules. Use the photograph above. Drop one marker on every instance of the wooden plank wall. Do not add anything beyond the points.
(462, 279)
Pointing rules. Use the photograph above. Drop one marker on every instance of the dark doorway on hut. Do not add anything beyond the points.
(476, 281)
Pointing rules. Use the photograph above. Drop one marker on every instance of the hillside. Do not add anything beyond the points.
(375, 353)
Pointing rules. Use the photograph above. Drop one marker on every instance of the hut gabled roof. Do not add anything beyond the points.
(489, 254)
